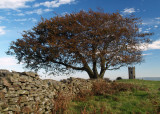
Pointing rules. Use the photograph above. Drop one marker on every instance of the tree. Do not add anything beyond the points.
(85, 41)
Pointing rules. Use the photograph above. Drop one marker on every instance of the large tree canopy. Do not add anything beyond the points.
(86, 41)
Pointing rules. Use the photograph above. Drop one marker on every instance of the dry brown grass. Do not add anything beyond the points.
(84, 111)
(103, 88)
(94, 110)
(83, 95)
(61, 103)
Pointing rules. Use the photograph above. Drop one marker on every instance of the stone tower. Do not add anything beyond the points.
(131, 72)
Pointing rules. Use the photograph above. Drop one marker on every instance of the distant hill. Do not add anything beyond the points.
(150, 78)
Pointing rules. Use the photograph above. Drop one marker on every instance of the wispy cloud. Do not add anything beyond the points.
(20, 20)
(145, 54)
(53, 4)
(2, 18)
(148, 28)
(151, 21)
(2, 31)
(146, 31)
(128, 10)
(64, 13)
(158, 18)
(33, 19)
(144, 23)
(25, 19)
(38, 11)
(35, 11)
(14, 4)
(140, 29)
(20, 14)
(47, 10)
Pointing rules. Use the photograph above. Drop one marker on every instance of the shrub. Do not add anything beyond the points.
(103, 88)
(107, 80)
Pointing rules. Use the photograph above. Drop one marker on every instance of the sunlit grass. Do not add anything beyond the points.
(135, 101)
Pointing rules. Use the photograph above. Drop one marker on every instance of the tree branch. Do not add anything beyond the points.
(70, 66)
(94, 60)
(116, 68)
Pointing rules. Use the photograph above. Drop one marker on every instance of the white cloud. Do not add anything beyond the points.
(8, 61)
(2, 31)
(129, 10)
(153, 45)
(156, 26)
(53, 4)
(13, 4)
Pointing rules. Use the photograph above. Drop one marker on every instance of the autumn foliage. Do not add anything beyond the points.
(85, 41)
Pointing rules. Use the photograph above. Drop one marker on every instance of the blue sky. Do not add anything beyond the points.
(19, 15)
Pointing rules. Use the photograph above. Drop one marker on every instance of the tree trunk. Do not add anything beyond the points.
(95, 76)
(102, 73)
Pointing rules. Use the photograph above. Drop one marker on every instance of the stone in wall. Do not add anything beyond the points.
(25, 91)
(21, 91)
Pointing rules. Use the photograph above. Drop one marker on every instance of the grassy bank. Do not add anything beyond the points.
(124, 97)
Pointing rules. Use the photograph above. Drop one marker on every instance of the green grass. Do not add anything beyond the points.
(128, 102)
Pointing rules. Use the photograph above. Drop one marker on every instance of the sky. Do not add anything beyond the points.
(19, 15)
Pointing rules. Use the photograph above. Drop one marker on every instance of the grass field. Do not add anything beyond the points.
(145, 100)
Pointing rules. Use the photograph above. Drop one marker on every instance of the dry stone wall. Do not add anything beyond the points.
(26, 92)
